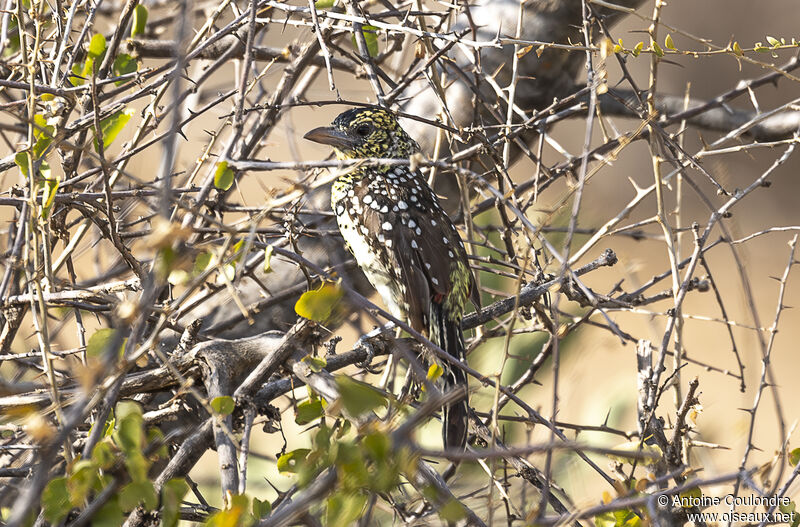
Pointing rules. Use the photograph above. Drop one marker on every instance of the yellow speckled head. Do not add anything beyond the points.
(365, 132)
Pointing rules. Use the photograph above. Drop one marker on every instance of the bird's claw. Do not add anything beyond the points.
(365, 344)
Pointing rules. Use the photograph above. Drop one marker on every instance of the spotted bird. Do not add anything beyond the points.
(404, 242)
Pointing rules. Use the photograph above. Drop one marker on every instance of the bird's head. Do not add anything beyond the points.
(365, 132)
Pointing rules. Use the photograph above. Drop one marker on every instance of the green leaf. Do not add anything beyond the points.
(139, 21)
(172, 493)
(157, 444)
(737, 49)
(324, 4)
(308, 411)
(371, 39)
(452, 511)
(100, 341)
(657, 49)
(773, 41)
(103, 455)
(261, 508)
(318, 305)
(668, 42)
(202, 262)
(688, 495)
(223, 405)
(21, 159)
(794, 457)
(343, 509)
(224, 176)
(378, 445)
(358, 397)
(112, 125)
(43, 133)
(55, 500)
(124, 64)
(49, 196)
(637, 49)
(129, 436)
(109, 515)
(80, 482)
(291, 462)
(268, 250)
(317, 364)
(76, 79)
(138, 493)
(97, 46)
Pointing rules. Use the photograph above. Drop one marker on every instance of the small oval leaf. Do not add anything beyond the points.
(223, 405)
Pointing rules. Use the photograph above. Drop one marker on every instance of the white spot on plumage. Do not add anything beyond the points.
(433, 222)
(450, 254)
(412, 224)
(384, 209)
(367, 199)
(418, 231)
(386, 226)
(414, 244)
(402, 204)
(445, 240)
(435, 281)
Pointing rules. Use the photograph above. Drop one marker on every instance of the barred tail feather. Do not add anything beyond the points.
(455, 416)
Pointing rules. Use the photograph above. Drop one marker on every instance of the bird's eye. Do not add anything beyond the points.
(363, 130)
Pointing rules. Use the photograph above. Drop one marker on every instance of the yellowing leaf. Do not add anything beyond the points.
(318, 305)
(668, 42)
(434, 372)
(737, 49)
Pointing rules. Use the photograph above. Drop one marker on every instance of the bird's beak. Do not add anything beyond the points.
(330, 136)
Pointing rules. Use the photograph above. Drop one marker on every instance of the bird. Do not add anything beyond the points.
(403, 241)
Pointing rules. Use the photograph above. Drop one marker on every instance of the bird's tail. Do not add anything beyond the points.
(455, 415)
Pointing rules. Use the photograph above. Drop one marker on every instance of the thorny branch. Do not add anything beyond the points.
(173, 283)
